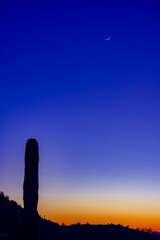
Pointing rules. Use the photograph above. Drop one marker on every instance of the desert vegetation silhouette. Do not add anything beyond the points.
(17, 223)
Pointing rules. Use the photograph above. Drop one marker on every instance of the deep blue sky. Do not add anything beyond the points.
(93, 105)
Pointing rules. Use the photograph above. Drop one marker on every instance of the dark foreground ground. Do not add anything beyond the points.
(50, 230)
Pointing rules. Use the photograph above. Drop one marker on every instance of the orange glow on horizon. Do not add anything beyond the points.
(131, 221)
(128, 211)
(83, 212)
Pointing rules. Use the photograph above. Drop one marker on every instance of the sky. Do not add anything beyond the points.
(92, 104)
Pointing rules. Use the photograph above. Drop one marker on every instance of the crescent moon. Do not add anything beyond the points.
(108, 38)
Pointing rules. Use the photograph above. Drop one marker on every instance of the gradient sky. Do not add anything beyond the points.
(93, 106)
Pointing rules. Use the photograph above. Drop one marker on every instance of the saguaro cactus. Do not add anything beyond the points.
(30, 191)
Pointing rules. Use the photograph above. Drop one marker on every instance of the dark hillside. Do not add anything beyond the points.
(11, 224)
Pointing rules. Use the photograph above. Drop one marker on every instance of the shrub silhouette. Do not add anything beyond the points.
(13, 221)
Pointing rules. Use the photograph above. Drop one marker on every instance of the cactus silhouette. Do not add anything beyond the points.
(30, 191)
